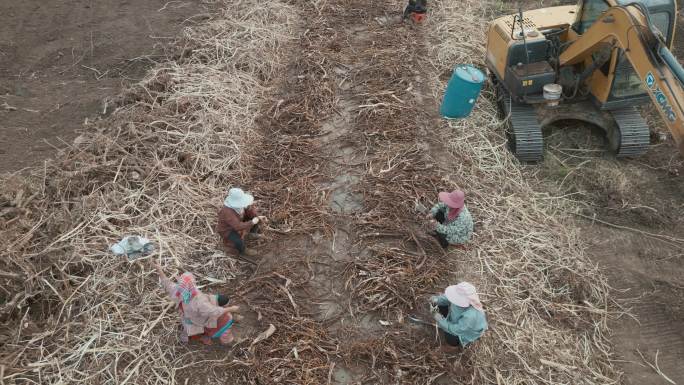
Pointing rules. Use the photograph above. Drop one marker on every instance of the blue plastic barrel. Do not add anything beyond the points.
(462, 92)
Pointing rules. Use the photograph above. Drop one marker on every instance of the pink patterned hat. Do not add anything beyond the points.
(454, 199)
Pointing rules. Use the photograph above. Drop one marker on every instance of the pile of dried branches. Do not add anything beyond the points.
(159, 167)
(300, 349)
(408, 356)
(290, 168)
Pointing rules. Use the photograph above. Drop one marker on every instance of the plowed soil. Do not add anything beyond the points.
(61, 60)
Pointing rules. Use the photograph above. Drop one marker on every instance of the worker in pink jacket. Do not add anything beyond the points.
(204, 317)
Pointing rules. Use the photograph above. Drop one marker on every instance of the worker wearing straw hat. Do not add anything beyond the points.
(459, 313)
(451, 220)
(236, 219)
(204, 317)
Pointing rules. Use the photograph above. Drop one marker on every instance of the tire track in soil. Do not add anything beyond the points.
(638, 289)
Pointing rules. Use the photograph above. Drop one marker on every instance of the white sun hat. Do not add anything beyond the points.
(238, 199)
(463, 295)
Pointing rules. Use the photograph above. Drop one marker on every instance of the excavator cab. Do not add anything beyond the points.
(615, 84)
(663, 14)
(577, 62)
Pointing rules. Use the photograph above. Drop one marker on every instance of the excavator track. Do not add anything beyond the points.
(634, 132)
(524, 131)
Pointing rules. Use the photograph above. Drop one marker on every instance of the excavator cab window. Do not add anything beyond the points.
(661, 20)
(590, 10)
(627, 83)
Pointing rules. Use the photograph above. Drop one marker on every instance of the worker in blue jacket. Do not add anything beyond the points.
(459, 313)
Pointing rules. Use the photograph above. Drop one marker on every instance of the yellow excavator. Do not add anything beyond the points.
(594, 62)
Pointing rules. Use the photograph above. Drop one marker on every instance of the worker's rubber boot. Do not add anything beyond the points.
(418, 18)
(250, 252)
(446, 348)
(254, 236)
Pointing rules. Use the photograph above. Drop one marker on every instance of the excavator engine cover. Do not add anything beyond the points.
(529, 79)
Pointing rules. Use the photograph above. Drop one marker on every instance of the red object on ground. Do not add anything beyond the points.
(418, 17)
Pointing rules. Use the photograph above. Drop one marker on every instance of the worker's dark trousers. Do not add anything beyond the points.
(440, 237)
(450, 338)
(239, 242)
(222, 300)
(415, 6)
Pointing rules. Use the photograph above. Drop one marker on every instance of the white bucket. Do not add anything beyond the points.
(552, 93)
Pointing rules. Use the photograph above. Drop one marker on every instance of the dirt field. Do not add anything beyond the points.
(338, 138)
(637, 237)
(61, 60)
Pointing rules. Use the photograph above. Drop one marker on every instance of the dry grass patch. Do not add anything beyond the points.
(159, 167)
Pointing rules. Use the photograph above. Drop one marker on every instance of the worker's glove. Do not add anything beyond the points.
(255, 220)
(438, 317)
(430, 224)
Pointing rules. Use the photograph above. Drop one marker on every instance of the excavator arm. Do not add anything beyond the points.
(627, 27)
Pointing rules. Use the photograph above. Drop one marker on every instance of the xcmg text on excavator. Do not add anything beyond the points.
(594, 62)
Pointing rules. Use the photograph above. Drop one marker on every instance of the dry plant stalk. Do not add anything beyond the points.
(157, 167)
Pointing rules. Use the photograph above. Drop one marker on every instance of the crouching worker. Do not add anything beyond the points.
(204, 317)
(451, 220)
(416, 10)
(459, 314)
(236, 219)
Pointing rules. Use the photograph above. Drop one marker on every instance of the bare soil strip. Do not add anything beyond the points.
(61, 62)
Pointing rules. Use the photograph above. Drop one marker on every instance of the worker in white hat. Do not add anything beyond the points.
(459, 313)
(236, 219)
